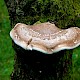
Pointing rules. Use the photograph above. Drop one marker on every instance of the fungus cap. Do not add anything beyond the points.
(45, 37)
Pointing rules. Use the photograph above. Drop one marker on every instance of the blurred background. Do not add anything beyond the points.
(6, 50)
(64, 13)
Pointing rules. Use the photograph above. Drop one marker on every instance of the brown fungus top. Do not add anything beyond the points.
(45, 37)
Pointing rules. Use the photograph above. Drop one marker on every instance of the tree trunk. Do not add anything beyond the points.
(34, 65)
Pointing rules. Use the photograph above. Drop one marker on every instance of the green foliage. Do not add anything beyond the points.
(76, 64)
(6, 51)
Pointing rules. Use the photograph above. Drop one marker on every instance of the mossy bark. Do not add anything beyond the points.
(63, 12)
(34, 65)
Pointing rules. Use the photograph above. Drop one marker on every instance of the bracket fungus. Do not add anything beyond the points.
(45, 37)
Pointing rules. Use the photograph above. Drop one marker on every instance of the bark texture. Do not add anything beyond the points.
(34, 65)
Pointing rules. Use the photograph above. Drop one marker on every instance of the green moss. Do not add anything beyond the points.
(65, 12)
